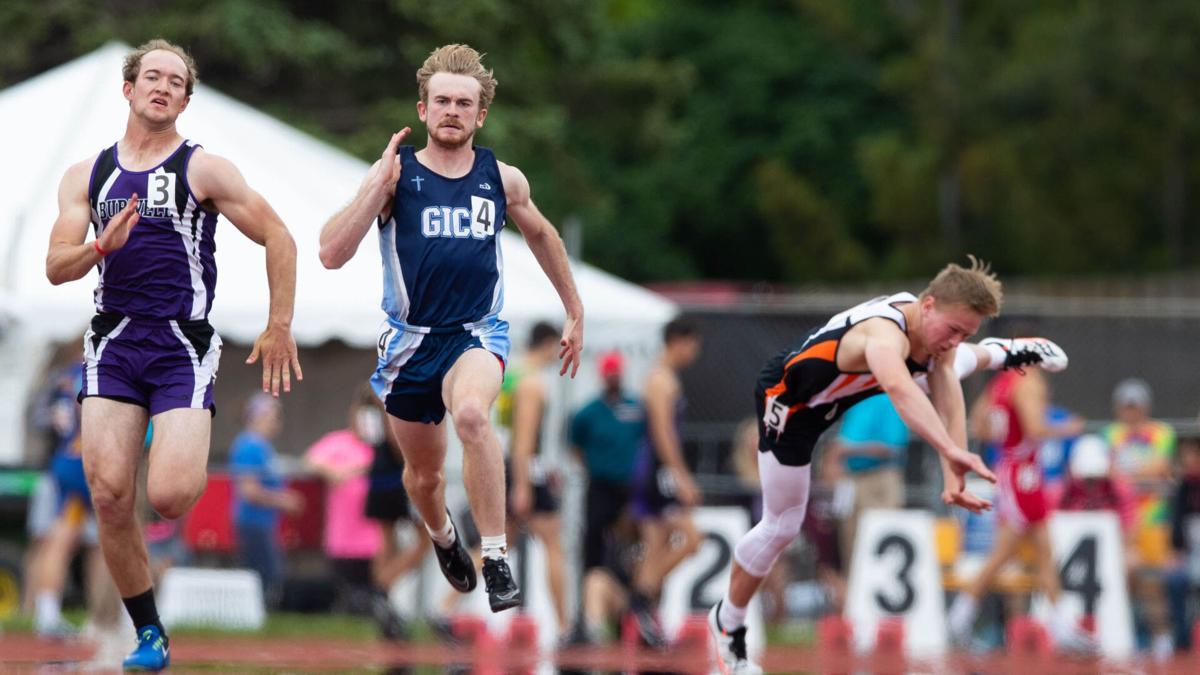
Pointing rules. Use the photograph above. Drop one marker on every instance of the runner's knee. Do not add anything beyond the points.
(470, 421)
(113, 501)
(422, 480)
(173, 500)
(762, 545)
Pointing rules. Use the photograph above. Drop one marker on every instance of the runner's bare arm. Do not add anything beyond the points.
(884, 348)
(68, 258)
(547, 247)
(343, 233)
(662, 392)
(217, 181)
(946, 391)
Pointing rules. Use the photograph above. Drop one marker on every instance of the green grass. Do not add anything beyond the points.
(277, 624)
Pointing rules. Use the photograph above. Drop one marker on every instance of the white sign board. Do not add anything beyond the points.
(1091, 568)
(895, 573)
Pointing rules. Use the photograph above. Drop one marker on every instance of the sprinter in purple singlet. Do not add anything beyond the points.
(150, 353)
(440, 211)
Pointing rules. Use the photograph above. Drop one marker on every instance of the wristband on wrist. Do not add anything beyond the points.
(96, 245)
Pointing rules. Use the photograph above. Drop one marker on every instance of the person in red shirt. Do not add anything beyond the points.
(1012, 413)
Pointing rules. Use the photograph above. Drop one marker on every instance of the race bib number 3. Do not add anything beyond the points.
(160, 189)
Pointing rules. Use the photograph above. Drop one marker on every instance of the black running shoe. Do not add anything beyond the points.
(391, 626)
(457, 566)
(501, 589)
(650, 632)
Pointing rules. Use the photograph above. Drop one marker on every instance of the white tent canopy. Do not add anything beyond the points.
(71, 112)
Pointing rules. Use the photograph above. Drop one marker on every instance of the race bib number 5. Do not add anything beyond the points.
(776, 416)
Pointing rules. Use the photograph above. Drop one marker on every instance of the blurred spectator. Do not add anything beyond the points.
(55, 416)
(1012, 412)
(387, 504)
(870, 450)
(260, 494)
(1055, 453)
(352, 541)
(1142, 450)
(1091, 483)
(605, 434)
(663, 489)
(533, 484)
(71, 523)
(1183, 573)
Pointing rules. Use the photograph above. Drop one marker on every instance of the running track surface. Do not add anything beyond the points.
(26, 653)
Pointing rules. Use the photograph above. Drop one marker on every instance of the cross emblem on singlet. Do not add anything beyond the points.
(417, 180)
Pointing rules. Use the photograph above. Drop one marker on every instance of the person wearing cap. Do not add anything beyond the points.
(1143, 448)
(605, 434)
(1142, 451)
(260, 493)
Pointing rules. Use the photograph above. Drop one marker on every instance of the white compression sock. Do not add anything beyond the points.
(47, 609)
(965, 361)
(495, 547)
(444, 537)
(998, 355)
(730, 616)
(962, 612)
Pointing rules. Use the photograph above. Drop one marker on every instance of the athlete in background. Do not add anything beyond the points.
(533, 489)
(662, 489)
(1012, 414)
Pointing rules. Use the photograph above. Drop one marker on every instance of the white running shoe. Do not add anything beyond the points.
(1032, 351)
(1073, 640)
(960, 621)
(731, 647)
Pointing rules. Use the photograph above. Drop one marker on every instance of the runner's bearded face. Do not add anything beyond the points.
(452, 113)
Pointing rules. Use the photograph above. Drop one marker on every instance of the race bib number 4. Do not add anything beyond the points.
(483, 217)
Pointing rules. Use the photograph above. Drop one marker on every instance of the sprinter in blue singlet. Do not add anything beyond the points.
(439, 212)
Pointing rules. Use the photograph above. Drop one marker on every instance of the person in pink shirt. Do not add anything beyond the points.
(352, 541)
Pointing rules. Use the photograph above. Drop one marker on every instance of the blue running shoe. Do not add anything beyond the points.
(151, 652)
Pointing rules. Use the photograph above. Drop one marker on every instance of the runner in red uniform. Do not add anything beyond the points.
(1012, 413)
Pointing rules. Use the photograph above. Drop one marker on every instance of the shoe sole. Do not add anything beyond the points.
(467, 588)
(715, 634)
(501, 605)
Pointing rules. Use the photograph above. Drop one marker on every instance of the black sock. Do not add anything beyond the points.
(143, 611)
